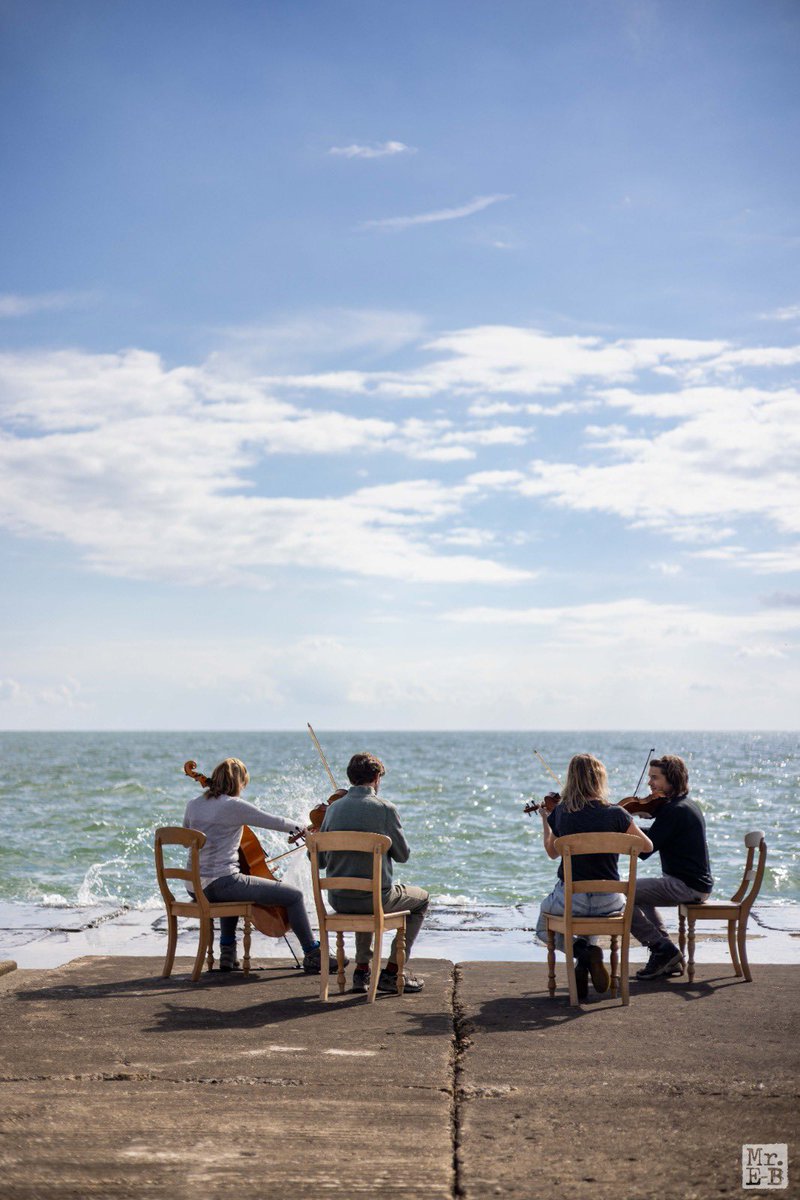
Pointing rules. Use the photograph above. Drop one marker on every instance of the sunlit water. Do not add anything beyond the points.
(79, 809)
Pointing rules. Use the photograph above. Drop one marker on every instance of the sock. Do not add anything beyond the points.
(362, 967)
(391, 968)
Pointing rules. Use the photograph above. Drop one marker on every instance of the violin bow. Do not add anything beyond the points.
(652, 750)
(548, 769)
(321, 753)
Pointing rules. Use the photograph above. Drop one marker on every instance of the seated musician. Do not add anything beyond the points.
(361, 810)
(584, 808)
(220, 813)
(678, 833)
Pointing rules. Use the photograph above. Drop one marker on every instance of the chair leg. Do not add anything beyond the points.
(615, 964)
(210, 950)
(571, 981)
(376, 966)
(324, 962)
(246, 960)
(624, 972)
(202, 946)
(690, 964)
(741, 940)
(340, 979)
(551, 963)
(172, 942)
(401, 957)
(737, 966)
(682, 933)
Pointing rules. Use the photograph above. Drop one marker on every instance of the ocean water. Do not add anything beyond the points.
(79, 809)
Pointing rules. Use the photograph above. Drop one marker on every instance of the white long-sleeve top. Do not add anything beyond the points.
(221, 819)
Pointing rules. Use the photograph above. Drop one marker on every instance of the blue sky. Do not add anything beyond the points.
(399, 365)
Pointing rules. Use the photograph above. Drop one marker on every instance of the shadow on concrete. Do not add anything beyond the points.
(153, 986)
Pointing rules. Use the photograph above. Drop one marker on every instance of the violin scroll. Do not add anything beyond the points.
(548, 803)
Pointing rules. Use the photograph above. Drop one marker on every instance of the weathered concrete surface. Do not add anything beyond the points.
(653, 1100)
(7, 965)
(115, 1083)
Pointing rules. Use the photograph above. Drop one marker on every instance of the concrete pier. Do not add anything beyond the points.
(116, 1083)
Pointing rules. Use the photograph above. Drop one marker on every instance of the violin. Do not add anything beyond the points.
(273, 920)
(317, 815)
(548, 804)
(647, 805)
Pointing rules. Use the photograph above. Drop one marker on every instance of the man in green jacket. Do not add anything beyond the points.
(361, 810)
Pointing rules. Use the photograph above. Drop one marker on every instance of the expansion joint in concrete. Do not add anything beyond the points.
(460, 1045)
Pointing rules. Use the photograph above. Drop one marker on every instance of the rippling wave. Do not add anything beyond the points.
(79, 810)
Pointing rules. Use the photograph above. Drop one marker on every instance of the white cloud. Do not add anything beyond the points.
(14, 304)
(791, 312)
(442, 214)
(376, 150)
(148, 471)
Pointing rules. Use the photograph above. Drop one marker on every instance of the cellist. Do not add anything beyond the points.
(220, 813)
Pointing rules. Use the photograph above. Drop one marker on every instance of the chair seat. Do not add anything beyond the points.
(610, 924)
(364, 922)
(711, 912)
(191, 908)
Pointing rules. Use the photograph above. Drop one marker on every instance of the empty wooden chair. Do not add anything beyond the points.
(376, 845)
(618, 926)
(200, 907)
(735, 911)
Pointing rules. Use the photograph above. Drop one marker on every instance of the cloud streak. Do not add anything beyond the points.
(442, 214)
(376, 150)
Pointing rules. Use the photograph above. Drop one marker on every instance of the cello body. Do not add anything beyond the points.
(272, 921)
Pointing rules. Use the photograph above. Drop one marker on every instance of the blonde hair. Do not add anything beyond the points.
(586, 781)
(228, 778)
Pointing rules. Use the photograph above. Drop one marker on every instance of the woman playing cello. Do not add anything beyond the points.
(220, 813)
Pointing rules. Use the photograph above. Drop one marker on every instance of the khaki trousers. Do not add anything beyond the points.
(400, 896)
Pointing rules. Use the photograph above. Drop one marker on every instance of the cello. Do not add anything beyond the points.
(272, 921)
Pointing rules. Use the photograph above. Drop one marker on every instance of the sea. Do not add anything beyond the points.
(79, 809)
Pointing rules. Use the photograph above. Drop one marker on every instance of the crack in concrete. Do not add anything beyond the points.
(460, 1044)
(151, 1077)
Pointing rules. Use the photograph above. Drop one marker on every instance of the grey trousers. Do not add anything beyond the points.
(415, 899)
(647, 924)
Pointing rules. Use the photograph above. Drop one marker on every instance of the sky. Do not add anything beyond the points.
(399, 365)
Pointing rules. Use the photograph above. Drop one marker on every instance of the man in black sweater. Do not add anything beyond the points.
(678, 833)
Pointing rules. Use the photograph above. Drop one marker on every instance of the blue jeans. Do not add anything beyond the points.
(260, 891)
(584, 904)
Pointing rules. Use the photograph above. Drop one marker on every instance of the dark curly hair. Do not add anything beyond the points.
(363, 768)
(674, 771)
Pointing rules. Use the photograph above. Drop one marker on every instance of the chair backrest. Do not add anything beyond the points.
(375, 844)
(573, 844)
(193, 840)
(752, 878)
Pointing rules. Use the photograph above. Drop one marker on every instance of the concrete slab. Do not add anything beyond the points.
(116, 1083)
(653, 1100)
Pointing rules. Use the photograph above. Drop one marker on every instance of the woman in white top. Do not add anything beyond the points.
(220, 813)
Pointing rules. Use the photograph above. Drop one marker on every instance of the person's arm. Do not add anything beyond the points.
(399, 850)
(548, 837)
(635, 831)
(248, 814)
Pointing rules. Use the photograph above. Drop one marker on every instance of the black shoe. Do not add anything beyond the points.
(592, 959)
(387, 982)
(313, 960)
(582, 978)
(663, 961)
(361, 980)
(227, 958)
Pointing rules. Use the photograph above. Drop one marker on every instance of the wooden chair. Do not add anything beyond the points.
(200, 907)
(736, 911)
(618, 925)
(375, 844)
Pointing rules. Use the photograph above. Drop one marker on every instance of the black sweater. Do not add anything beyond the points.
(679, 835)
